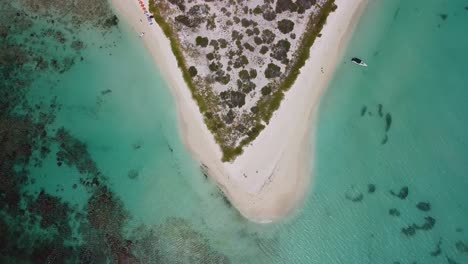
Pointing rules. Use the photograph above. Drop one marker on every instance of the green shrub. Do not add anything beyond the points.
(266, 90)
(257, 10)
(244, 75)
(269, 15)
(272, 71)
(253, 73)
(285, 26)
(201, 41)
(233, 98)
(268, 36)
(214, 66)
(263, 50)
(193, 71)
(280, 50)
(249, 47)
(210, 56)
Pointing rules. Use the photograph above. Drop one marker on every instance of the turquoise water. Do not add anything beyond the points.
(121, 143)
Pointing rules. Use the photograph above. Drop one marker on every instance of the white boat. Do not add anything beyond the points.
(358, 62)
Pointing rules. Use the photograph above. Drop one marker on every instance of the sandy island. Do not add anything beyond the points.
(270, 179)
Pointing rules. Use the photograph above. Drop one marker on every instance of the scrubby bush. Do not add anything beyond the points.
(196, 15)
(272, 71)
(222, 78)
(268, 36)
(211, 23)
(201, 41)
(185, 20)
(266, 90)
(257, 10)
(246, 22)
(334, 7)
(229, 117)
(236, 35)
(305, 4)
(258, 40)
(256, 30)
(210, 56)
(253, 73)
(269, 15)
(248, 86)
(214, 66)
(280, 51)
(285, 5)
(199, 11)
(249, 47)
(233, 98)
(241, 61)
(263, 50)
(179, 4)
(244, 75)
(222, 43)
(225, 79)
(193, 71)
(215, 44)
(285, 26)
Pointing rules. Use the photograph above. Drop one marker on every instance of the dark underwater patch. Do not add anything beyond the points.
(354, 195)
(394, 212)
(443, 16)
(363, 110)
(461, 247)
(424, 206)
(402, 194)
(438, 250)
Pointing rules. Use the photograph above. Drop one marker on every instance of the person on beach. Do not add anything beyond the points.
(142, 34)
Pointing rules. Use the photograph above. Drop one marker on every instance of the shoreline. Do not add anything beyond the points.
(269, 181)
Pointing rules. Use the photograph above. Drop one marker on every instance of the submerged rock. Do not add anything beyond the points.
(133, 174)
(380, 108)
(428, 225)
(371, 188)
(107, 91)
(424, 206)
(437, 251)
(462, 247)
(388, 122)
(354, 195)
(394, 212)
(402, 194)
(409, 231)
(450, 261)
(363, 110)
(384, 140)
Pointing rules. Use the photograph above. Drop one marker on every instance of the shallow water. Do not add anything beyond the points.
(130, 189)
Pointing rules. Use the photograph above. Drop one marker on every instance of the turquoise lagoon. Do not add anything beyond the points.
(117, 104)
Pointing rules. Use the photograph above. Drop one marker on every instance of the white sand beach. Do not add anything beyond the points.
(269, 181)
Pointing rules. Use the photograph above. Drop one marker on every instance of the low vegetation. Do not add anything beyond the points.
(239, 78)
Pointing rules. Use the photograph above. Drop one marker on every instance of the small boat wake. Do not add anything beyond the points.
(359, 62)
